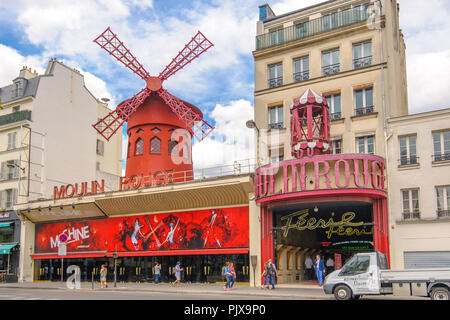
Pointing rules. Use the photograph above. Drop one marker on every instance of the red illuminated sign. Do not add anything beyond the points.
(204, 229)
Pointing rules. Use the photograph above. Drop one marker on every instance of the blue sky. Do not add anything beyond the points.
(220, 81)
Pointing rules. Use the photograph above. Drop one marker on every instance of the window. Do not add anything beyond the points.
(276, 37)
(8, 198)
(334, 102)
(363, 101)
(275, 75)
(16, 109)
(301, 69)
(276, 154)
(443, 201)
(336, 146)
(172, 146)
(441, 141)
(155, 145)
(7, 233)
(330, 62)
(408, 150)
(276, 117)
(139, 147)
(330, 21)
(362, 55)
(410, 204)
(357, 265)
(12, 137)
(100, 147)
(301, 30)
(128, 151)
(97, 166)
(155, 130)
(365, 144)
(17, 89)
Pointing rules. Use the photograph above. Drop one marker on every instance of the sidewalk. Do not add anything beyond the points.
(301, 290)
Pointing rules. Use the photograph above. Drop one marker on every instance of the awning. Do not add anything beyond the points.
(5, 248)
(5, 224)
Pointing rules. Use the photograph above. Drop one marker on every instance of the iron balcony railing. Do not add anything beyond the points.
(411, 215)
(335, 116)
(441, 157)
(363, 111)
(443, 213)
(278, 125)
(301, 76)
(331, 69)
(404, 161)
(15, 117)
(312, 27)
(362, 62)
(275, 82)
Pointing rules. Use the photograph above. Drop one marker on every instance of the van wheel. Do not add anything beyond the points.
(440, 293)
(342, 292)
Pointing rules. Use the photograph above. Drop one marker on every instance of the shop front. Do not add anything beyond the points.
(9, 246)
(328, 205)
(202, 240)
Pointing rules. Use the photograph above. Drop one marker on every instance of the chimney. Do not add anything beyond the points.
(27, 73)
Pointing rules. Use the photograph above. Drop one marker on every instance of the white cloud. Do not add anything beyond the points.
(230, 141)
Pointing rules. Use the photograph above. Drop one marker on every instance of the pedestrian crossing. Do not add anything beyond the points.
(24, 296)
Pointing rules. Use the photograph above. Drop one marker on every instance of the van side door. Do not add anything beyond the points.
(359, 274)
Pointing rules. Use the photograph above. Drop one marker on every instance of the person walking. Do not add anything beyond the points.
(309, 268)
(157, 272)
(271, 271)
(232, 275)
(178, 270)
(227, 272)
(330, 265)
(103, 273)
(265, 274)
(319, 267)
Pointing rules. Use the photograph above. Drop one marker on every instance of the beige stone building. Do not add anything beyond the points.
(351, 52)
(419, 189)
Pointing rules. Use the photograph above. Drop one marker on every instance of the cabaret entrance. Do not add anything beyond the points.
(335, 230)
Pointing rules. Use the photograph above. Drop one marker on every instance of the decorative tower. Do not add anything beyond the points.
(310, 125)
(160, 126)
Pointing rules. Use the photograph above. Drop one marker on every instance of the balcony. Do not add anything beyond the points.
(443, 213)
(331, 69)
(335, 116)
(301, 76)
(312, 27)
(441, 157)
(15, 117)
(362, 62)
(273, 126)
(364, 111)
(275, 82)
(406, 161)
(411, 215)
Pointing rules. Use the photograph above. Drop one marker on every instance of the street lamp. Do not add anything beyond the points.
(15, 165)
(252, 125)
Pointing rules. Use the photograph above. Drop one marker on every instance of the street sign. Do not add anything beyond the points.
(62, 238)
(62, 249)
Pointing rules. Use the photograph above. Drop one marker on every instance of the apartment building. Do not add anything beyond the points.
(351, 52)
(419, 189)
(46, 138)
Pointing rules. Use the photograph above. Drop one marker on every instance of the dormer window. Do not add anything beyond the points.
(17, 89)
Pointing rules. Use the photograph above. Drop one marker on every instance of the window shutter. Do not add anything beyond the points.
(2, 206)
(3, 171)
(14, 196)
(16, 170)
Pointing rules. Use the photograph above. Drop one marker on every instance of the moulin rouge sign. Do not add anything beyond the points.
(321, 172)
(125, 183)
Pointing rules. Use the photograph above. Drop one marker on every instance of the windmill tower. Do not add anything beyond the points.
(160, 126)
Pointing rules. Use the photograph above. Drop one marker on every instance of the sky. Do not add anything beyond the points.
(220, 81)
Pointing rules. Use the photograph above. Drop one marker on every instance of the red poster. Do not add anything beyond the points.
(205, 229)
(337, 261)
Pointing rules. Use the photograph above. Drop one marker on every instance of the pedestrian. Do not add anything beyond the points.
(227, 272)
(103, 272)
(309, 268)
(157, 272)
(265, 274)
(271, 274)
(178, 270)
(223, 272)
(330, 265)
(232, 275)
(275, 279)
(319, 267)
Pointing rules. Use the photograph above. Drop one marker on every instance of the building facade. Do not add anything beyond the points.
(419, 190)
(41, 144)
(351, 53)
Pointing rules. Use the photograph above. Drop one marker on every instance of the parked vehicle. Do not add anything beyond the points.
(368, 274)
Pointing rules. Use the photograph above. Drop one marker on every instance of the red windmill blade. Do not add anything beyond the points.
(114, 120)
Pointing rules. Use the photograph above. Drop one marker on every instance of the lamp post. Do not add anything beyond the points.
(252, 125)
(15, 165)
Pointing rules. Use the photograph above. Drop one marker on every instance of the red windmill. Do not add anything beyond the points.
(153, 114)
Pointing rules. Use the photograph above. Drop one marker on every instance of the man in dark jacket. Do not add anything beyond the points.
(319, 267)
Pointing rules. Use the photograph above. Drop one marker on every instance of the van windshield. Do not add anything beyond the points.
(357, 265)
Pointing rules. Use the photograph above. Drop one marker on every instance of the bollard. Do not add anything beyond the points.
(92, 280)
